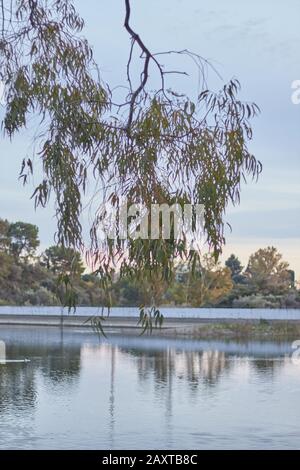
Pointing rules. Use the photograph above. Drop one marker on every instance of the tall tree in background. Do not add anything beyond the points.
(149, 147)
(208, 285)
(267, 271)
(4, 235)
(59, 259)
(234, 264)
(23, 239)
(236, 268)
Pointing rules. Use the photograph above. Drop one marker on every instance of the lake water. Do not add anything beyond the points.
(127, 393)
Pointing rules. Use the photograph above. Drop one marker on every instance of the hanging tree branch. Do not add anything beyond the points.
(164, 147)
(147, 57)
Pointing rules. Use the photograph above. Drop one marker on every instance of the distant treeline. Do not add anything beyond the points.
(30, 279)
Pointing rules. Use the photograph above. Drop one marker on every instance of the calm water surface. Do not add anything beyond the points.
(128, 393)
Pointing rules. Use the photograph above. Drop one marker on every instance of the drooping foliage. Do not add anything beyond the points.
(154, 147)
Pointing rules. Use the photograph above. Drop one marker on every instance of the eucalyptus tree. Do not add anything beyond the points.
(24, 240)
(59, 259)
(153, 146)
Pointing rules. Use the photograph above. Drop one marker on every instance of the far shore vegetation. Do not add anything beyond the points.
(31, 279)
(261, 330)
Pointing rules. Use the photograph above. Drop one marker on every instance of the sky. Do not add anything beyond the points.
(257, 42)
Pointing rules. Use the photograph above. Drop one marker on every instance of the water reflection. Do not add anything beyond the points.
(17, 387)
(18, 382)
(78, 392)
(112, 396)
(190, 366)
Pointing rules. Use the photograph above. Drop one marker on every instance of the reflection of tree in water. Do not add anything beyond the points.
(17, 386)
(58, 361)
(266, 366)
(112, 419)
(206, 366)
(194, 367)
(61, 364)
(58, 364)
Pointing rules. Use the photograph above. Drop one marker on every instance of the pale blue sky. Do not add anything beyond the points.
(259, 43)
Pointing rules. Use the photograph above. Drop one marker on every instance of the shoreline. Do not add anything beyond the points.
(189, 328)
